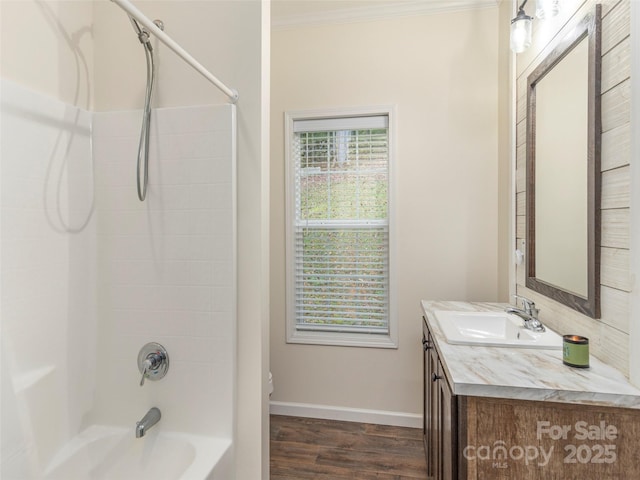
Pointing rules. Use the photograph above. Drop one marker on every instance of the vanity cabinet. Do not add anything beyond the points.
(470, 437)
(440, 415)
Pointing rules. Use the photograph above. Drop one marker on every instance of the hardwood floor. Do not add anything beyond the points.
(307, 448)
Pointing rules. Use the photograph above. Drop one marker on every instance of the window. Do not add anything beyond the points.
(339, 262)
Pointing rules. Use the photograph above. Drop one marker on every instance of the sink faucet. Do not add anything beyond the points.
(529, 313)
(149, 420)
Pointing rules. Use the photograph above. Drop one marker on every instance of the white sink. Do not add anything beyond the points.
(493, 329)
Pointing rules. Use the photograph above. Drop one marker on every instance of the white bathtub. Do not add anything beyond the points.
(113, 453)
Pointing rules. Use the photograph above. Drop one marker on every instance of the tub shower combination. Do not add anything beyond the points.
(115, 277)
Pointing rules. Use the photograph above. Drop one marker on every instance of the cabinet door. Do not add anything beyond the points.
(428, 399)
(440, 415)
(436, 417)
(449, 422)
(426, 416)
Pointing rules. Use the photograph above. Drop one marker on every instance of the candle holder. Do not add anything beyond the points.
(575, 351)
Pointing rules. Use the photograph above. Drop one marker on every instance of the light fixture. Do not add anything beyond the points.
(521, 30)
(547, 8)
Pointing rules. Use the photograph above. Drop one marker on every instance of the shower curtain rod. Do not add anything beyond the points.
(181, 52)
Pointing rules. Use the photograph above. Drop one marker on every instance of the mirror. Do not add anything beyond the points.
(563, 171)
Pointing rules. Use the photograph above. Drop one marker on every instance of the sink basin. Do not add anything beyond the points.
(493, 329)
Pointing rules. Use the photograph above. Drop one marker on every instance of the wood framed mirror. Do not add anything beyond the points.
(563, 170)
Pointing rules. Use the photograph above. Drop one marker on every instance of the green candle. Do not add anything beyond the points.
(575, 351)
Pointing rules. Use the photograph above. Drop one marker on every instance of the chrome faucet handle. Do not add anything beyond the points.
(144, 374)
(147, 365)
(153, 362)
(528, 306)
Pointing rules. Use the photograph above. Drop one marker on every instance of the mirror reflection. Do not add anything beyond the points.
(561, 173)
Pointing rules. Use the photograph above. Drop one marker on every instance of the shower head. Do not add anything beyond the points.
(143, 35)
(136, 27)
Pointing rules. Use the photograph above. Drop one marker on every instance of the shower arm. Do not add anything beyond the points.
(181, 52)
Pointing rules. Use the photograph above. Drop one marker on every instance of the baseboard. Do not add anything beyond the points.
(345, 414)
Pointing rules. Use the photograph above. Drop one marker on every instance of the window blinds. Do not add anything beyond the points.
(341, 224)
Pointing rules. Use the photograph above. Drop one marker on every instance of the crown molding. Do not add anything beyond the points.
(379, 12)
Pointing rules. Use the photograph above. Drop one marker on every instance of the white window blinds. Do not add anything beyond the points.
(341, 224)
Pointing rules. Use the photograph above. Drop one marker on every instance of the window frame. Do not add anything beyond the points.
(337, 338)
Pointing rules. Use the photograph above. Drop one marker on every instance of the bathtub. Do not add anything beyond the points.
(113, 453)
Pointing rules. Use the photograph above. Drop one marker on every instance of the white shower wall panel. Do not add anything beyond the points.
(47, 260)
(166, 267)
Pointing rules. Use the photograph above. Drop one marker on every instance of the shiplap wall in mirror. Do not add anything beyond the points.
(609, 335)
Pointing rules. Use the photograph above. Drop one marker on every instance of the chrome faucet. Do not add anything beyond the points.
(529, 313)
(149, 420)
(153, 362)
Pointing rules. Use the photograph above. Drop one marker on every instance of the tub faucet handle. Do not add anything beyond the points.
(145, 370)
(153, 362)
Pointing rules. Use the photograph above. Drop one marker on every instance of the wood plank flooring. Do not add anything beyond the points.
(308, 448)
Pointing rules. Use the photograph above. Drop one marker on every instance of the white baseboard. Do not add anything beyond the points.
(345, 414)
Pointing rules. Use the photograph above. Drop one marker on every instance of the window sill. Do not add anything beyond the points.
(342, 339)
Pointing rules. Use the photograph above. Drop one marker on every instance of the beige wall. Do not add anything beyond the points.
(50, 47)
(442, 72)
(506, 167)
(609, 335)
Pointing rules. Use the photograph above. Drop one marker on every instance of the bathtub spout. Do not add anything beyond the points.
(149, 420)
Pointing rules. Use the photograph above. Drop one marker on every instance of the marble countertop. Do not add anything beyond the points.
(525, 373)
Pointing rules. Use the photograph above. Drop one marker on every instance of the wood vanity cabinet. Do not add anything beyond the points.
(474, 438)
(440, 415)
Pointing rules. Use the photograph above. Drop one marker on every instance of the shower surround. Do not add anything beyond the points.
(90, 274)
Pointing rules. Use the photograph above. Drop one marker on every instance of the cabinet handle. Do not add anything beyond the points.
(435, 377)
(425, 344)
